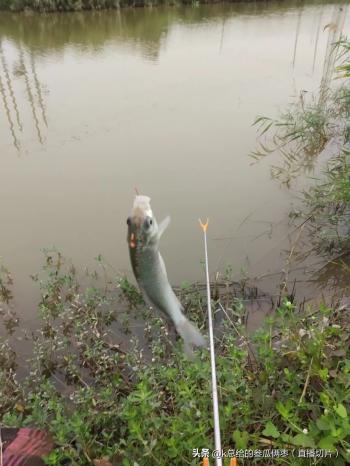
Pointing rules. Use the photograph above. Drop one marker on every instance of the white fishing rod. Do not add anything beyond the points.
(212, 353)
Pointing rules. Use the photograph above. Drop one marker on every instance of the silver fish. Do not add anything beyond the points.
(149, 269)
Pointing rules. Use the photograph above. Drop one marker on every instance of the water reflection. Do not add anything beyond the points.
(23, 66)
(334, 275)
(27, 38)
(30, 94)
(38, 88)
(297, 32)
(9, 85)
(143, 28)
(299, 156)
(335, 28)
(318, 28)
(8, 114)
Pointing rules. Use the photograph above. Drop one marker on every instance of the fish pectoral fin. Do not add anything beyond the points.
(163, 226)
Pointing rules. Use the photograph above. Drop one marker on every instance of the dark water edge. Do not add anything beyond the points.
(54, 30)
(45, 6)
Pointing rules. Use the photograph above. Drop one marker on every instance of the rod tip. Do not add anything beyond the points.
(204, 225)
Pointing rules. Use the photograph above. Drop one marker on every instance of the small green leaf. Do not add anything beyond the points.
(324, 399)
(241, 439)
(303, 440)
(271, 430)
(323, 423)
(282, 409)
(327, 443)
(323, 373)
(341, 410)
(286, 438)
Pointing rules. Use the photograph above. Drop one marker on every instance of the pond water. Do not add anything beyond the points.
(96, 103)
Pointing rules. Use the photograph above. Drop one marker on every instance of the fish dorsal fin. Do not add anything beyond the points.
(163, 226)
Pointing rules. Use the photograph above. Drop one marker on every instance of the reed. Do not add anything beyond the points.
(303, 130)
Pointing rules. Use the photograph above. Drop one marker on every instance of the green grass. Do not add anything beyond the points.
(287, 386)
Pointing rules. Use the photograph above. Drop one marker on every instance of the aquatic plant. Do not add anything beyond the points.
(327, 203)
(302, 131)
(298, 135)
(328, 206)
(344, 68)
(289, 388)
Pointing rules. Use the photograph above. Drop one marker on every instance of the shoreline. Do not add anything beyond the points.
(71, 6)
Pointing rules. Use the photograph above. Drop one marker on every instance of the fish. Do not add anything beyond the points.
(149, 270)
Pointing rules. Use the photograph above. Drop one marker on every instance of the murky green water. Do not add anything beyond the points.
(93, 104)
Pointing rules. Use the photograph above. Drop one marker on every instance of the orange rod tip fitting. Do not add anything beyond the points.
(205, 461)
(233, 462)
(204, 225)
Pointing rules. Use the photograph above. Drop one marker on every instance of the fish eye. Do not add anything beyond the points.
(148, 222)
(128, 221)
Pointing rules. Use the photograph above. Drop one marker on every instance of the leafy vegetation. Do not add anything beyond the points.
(327, 203)
(328, 207)
(344, 68)
(299, 134)
(287, 386)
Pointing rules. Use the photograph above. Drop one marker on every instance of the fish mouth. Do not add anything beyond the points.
(141, 207)
(132, 242)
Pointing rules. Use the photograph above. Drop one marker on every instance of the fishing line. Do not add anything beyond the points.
(212, 353)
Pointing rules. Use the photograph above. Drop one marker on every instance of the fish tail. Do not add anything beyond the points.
(191, 336)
